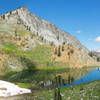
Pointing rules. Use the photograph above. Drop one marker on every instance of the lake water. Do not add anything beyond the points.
(91, 76)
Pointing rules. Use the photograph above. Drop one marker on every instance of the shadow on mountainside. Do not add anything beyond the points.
(26, 75)
(28, 64)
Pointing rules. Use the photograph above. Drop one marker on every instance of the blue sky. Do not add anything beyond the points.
(81, 18)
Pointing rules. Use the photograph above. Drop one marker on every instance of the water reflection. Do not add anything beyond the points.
(91, 76)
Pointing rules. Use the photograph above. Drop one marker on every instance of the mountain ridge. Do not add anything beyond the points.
(42, 28)
(23, 34)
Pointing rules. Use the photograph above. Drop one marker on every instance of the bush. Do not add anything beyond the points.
(51, 43)
(10, 12)
(72, 51)
(91, 54)
(55, 52)
(3, 16)
(63, 48)
(98, 59)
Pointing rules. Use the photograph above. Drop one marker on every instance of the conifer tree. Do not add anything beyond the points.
(55, 51)
(59, 52)
(62, 47)
(69, 79)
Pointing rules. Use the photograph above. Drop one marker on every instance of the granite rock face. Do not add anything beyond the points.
(40, 27)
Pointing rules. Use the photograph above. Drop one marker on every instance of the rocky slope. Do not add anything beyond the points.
(41, 27)
(74, 56)
(27, 40)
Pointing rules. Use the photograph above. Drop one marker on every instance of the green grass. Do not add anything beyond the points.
(87, 91)
(41, 55)
(38, 65)
(24, 85)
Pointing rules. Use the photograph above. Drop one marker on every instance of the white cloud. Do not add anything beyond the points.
(98, 50)
(97, 39)
(78, 31)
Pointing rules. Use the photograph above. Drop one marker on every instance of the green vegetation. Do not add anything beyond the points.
(42, 74)
(32, 75)
(87, 91)
(9, 47)
(62, 47)
(24, 85)
(39, 66)
(59, 52)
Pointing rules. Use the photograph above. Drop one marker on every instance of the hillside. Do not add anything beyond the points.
(74, 56)
(29, 44)
(40, 27)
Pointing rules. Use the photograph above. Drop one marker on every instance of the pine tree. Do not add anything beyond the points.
(55, 52)
(59, 80)
(63, 81)
(62, 47)
(10, 12)
(51, 43)
(55, 94)
(72, 79)
(71, 51)
(98, 59)
(59, 52)
(69, 54)
(16, 33)
(3, 16)
(69, 79)
(59, 95)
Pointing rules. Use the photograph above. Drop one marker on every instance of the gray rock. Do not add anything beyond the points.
(42, 28)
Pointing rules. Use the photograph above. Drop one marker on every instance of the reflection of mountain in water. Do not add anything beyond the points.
(91, 76)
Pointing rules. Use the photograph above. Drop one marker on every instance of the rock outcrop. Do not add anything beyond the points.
(41, 27)
(21, 21)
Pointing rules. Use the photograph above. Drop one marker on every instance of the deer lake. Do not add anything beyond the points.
(90, 77)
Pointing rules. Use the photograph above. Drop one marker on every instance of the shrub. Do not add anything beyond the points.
(51, 43)
(98, 59)
(3, 16)
(63, 48)
(10, 12)
(91, 54)
(63, 43)
(55, 52)
(72, 51)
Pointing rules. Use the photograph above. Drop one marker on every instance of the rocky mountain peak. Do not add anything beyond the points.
(40, 27)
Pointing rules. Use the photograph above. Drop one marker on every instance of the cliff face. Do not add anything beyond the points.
(41, 28)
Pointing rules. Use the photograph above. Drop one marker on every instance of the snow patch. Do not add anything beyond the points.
(10, 89)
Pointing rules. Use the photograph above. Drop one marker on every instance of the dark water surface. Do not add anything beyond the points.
(91, 76)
